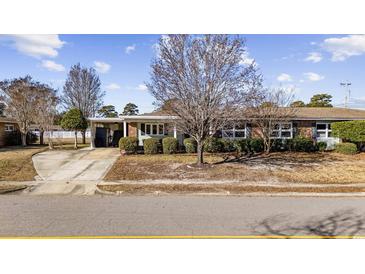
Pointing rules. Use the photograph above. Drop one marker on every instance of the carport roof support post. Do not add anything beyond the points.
(124, 129)
(92, 132)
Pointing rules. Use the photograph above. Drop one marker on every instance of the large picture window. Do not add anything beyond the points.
(152, 129)
(237, 131)
(324, 130)
(282, 131)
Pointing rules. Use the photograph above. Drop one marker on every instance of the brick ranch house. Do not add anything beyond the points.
(311, 122)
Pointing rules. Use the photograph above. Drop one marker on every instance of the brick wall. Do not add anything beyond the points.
(304, 128)
(132, 129)
(3, 133)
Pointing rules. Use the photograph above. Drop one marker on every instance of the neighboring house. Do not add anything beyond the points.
(7, 126)
(310, 122)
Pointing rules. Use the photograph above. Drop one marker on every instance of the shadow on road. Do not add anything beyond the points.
(340, 223)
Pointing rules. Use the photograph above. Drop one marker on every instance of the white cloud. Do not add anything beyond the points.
(311, 76)
(142, 87)
(345, 47)
(130, 49)
(314, 57)
(101, 67)
(52, 66)
(36, 45)
(112, 86)
(284, 77)
(246, 59)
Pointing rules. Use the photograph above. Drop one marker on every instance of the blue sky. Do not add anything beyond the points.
(309, 64)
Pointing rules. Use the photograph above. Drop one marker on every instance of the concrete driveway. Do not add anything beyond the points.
(68, 171)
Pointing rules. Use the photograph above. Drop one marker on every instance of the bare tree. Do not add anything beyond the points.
(46, 111)
(21, 96)
(267, 110)
(82, 91)
(205, 79)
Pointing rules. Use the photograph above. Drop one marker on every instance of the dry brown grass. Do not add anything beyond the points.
(221, 188)
(314, 168)
(16, 163)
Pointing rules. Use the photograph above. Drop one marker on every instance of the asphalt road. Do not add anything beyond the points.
(22, 215)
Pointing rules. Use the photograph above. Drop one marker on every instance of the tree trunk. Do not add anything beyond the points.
(83, 133)
(50, 142)
(75, 146)
(41, 137)
(24, 139)
(200, 151)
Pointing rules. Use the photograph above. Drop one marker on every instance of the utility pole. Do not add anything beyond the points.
(347, 85)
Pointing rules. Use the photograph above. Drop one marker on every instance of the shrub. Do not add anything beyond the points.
(322, 146)
(241, 146)
(353, 131)
(228, 145)
(301, 144)
(169, 145)
(346, 148)
(213, 145)
(190, 145)
(279, 145)
(256, 145)
(128, 144)
(151, 145)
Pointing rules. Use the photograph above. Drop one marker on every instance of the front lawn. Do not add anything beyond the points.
(322, 168)
(16, 163)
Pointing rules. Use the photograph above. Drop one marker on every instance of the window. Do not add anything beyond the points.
(9, 127)
(160, 129)
(238, 131)
(324, 130)
(148, 129)
(143, 129)
(282, 131)
(152, 129)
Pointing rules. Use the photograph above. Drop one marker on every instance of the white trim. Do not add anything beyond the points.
(7, 126)
(281, 130)
(234, 130)
(326, 130)
(150, 133)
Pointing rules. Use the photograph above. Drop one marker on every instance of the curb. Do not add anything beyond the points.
(228, 194)
(18, 188)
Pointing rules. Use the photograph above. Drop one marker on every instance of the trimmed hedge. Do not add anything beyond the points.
(301, 144)
(280, 145)
(256, 145)
(352, 131)
(242, 145)
(128, 144)
(213, 145)
(151, 145)
(190, 145)
(346, 148)
(322, 146)
(228, 145)
(169, 145)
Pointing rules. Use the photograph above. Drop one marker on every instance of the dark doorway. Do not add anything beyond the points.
(116, 136)
(100, 137)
